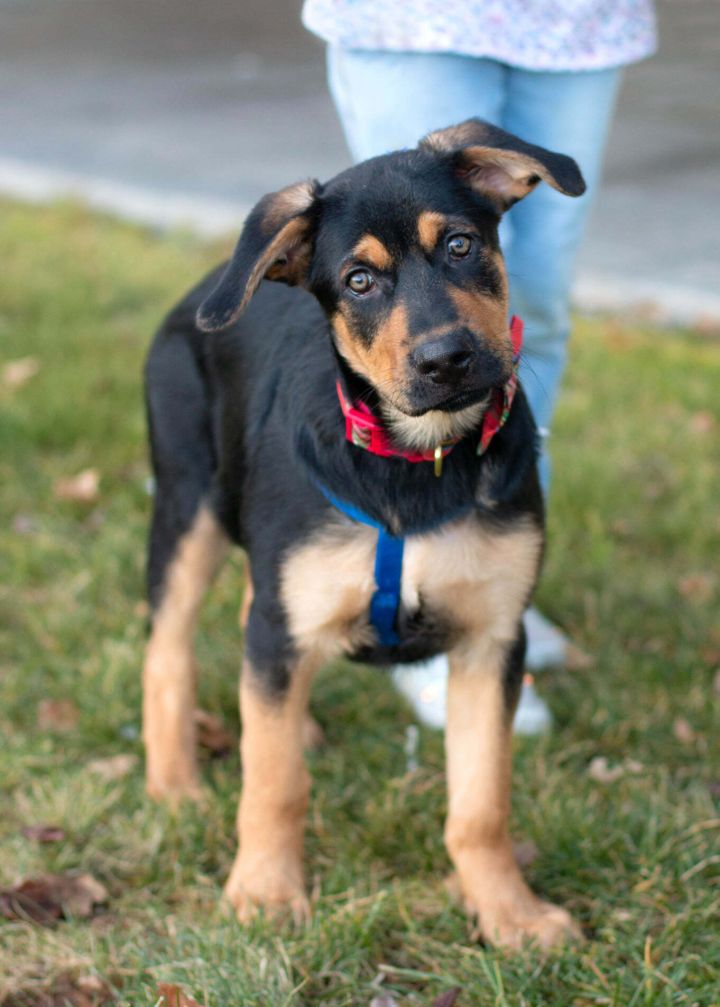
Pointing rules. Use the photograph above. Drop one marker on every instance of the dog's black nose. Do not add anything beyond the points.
(445, 360)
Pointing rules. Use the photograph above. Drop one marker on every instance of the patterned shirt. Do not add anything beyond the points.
(532, 34)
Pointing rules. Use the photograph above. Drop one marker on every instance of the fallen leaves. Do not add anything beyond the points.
(698, 587)
(51, 897)
(684, 731)
(174, 996)
(212, 734)
(17, 373)
(65, 989)
(44, 833)
(83, 488)
(114, 767)
(59, 715)
(601, 771)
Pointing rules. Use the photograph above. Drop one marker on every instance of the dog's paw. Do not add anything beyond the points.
(174, 792)
(511, 917)
(273, 888)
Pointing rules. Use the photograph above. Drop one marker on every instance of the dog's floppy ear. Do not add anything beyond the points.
(275, 244)
(501, 166)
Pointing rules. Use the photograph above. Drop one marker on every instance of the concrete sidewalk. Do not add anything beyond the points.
(175, 112)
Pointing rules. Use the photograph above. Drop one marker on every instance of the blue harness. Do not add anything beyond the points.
(385, 602)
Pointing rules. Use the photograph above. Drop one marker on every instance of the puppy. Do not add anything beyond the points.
(358, 430)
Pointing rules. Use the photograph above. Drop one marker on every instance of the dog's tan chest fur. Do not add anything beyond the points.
(477, 579)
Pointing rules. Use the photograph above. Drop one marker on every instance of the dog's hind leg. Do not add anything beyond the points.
(187, 544)
(268, 871)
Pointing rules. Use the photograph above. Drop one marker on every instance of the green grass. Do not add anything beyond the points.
(634, 515)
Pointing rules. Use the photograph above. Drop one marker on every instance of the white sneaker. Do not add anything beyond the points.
(546, 645)
(424, 684)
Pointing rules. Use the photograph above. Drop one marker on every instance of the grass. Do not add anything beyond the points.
(631, 573)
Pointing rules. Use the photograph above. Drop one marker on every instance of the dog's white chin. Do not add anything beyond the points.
(421, 433)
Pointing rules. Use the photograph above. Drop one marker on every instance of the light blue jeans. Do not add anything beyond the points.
(389, 100)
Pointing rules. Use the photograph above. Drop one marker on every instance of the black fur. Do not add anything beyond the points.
(248, 418)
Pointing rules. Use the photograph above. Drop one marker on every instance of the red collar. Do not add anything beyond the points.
(365, 430)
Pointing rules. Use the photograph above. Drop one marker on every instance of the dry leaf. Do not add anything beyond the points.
(51, 897)
(24, 524)
(174, 996)
(716, 682)
(114, 767)
(702, 422)
(212, 734)
(57, 715)
(697, 586)
(82, 488)
(576, 659)
(17, 373)
(525, 852)
(600, 771)
(448, 998)
(384, 1000)
(44, 833)
(683, 731)
(64, 990)
(714, 788)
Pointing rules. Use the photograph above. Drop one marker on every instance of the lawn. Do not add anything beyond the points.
(631, 573)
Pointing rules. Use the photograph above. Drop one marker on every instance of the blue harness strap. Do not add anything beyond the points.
(385, 602)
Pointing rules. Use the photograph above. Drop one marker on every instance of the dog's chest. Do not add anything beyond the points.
(462, 579)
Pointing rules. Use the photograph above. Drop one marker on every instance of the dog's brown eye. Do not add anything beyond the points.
(459, 246)
(360, 281)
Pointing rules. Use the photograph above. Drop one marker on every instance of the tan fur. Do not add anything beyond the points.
(383, 362)
(505, 176)
(371, 250)
(430, 226)
(326, 587)
(454, 137)
(268, 869)
(486, 317)
(287, 203)
(169, 672)
(479, 580)
(478, 749)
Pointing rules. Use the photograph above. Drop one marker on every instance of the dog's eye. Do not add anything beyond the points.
(360, 281)
(459, 246)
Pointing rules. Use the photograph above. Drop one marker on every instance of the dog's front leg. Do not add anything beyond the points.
(478, 748)
(268, 871)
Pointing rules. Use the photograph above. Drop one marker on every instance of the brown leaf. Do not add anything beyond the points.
(384, 1000)
(82, 488)
(714, 788)
(115, 767)
(702, 422)
(448, 998)
(57, 715)
(525, 852)
(212, 734)
(44, 833)
(51, 897)
(698, 586)
(24, 524)
(174, 996)
(683, 731)
(17, 373)
(601, 771)
(716, 682)
(64, 990)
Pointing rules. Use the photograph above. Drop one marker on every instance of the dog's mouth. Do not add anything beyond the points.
(452, 403)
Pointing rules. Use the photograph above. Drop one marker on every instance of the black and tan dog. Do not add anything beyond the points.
(394, 313)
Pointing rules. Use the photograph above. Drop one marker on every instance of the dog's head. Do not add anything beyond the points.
(402, 253)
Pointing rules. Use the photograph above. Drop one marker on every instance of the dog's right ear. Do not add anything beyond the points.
(275, 244)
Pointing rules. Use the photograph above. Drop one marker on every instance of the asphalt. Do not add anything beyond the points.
(180, 113)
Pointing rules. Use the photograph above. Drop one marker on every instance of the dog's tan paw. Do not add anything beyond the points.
(516, 923)
(276, 890)
(175, 791)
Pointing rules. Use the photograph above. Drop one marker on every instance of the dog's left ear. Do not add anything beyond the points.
(275, 244)
(501, 166)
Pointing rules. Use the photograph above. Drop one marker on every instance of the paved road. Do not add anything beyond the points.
(177, 110)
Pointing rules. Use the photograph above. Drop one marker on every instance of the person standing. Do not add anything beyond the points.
(545, 70)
